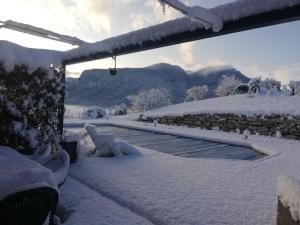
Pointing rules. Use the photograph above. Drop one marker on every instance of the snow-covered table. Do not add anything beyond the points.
(18, 173)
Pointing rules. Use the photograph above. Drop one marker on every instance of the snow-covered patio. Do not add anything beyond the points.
(160, 188)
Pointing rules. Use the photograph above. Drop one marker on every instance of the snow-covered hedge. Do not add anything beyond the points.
(29, 103)
(94, 113)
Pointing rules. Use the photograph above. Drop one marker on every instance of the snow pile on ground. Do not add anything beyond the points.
(12, 54)
(289, 192)
(58, 163)
(166, 189)
(237, 104)
(82, 205)
(106, 145)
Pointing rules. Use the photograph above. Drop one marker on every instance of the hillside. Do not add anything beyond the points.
(97, 87)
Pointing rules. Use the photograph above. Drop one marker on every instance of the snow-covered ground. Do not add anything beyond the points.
(75, 111)
(165, 189)
(236, 104)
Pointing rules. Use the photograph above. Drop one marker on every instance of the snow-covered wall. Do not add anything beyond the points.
(286, 126)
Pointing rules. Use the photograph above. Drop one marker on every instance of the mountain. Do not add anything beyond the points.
(97, 87)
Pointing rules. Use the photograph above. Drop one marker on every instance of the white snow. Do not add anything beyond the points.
(18, 173)
(289, 193)
(82, 205)
(227, 12)
(12, 54)
(42, 154)
(107, 144)
(197, 13)
(17, 26)
(70, 137)
(58, 163)
(166, 189)
(248, 105)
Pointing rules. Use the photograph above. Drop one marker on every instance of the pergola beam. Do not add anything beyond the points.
(275, 17)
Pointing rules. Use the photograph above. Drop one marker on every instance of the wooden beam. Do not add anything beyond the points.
(247, 23)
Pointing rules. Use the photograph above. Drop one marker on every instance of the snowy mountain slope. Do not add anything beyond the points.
(97, 87)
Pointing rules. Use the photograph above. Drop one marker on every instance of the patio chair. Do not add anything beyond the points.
(29, 207)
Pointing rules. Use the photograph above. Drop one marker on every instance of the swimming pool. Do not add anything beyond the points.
(181, 146)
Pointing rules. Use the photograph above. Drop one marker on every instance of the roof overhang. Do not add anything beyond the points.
(264, 19)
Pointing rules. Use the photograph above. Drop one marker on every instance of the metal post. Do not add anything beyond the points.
(61, 110)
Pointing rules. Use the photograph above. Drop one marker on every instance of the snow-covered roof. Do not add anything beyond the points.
(139, 40)
(227, 12)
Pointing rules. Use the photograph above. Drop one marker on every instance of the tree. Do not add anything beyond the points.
(270, 83)
(226, 86)
(120, 110)
(197, 93)
(295, 87)
(150, 99)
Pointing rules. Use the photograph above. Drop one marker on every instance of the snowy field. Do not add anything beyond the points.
(75, 111)
(158, 188)
(236, 104)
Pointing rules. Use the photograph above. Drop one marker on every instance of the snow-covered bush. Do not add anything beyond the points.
(254, 85)
(270, 84)
(241, 89)
(226, 86)
(94, 113)
(29, 107)
(196, 93)
(150, 99)
(295, 87)
(120, 110)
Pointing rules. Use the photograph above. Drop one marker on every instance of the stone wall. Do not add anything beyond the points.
(288, 125)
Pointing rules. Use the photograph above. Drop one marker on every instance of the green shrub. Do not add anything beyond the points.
(29, 106)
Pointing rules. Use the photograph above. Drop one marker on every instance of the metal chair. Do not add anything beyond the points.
(29, 207)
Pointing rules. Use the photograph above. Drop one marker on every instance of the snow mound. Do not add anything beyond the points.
(106, 145)
(238, 104)
(289, 193)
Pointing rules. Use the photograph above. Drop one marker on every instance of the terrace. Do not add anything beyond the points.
(143, 184)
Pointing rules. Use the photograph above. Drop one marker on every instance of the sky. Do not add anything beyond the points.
(267, 52)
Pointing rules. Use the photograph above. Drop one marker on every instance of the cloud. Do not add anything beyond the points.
(152, 14)
(186, 51)
(86, 19)
(283, 74)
